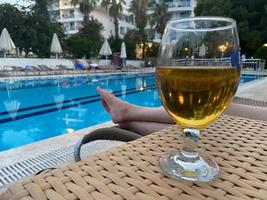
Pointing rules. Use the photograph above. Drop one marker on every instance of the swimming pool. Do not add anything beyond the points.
(35, 109)
(250, 77)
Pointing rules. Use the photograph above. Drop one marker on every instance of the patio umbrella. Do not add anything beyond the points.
(6, 43)
(123, 53)
(105, 49)
(55, 46)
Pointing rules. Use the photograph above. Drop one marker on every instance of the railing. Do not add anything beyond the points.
(246, 64)
(253, 64)
(68, 16)
(179, 4)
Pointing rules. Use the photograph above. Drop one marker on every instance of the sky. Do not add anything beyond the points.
(19, 2)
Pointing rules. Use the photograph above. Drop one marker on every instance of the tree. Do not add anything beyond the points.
(115, 10)
(42, 27)
(87, 42)
(86, 7)
(31, 28)
(12, 19)
(262, 53)
(139, 10)
(160, 17)
(115, 44)
(131, 39)
(251, 17)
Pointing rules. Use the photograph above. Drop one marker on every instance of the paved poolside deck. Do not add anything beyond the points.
(254, 90)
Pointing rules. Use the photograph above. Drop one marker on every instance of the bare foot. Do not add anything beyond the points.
(117, 108)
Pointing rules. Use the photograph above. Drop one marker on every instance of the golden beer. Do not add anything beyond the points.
(196, 96)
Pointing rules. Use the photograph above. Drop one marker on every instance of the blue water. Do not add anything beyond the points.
(37, 109)
(249, 77)
(34, 110)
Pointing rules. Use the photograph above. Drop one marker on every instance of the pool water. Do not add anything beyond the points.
(250, 77)
(36, 109)
(33, 110)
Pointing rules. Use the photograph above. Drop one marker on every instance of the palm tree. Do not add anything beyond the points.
(86, 7)
(139, 10)
(115, 10)
(160, 17)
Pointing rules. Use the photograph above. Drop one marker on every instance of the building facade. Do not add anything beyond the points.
(72, 18)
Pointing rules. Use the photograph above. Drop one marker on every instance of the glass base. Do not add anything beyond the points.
(198, 169)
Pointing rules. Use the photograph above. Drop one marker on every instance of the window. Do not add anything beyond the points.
(122, 30)
(185, 14)
(71, 14)
(72, 26)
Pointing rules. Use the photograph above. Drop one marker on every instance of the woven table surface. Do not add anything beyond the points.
(131, 171)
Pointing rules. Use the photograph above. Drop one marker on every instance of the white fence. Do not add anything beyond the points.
(23, 62)
(136, 63)
(5, 63)
(247, 64)
(253, 64)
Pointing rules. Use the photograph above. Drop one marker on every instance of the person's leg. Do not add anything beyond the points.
(122, 111)
(143, 128)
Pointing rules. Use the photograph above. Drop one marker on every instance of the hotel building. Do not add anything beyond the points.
(72, 18)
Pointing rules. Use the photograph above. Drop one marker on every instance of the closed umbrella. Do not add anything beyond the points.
(105, 49)
(55, 46)
(123, 53)
(6, 43)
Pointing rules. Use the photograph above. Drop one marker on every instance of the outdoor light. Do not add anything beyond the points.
(70, 130)
(265, 45)
(222, 48)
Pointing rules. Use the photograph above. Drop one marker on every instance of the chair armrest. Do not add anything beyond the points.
(104, 134)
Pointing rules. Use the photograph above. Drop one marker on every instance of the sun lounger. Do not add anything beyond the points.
(16, 71)
(64, 69)
(44, 68)
(112, 133)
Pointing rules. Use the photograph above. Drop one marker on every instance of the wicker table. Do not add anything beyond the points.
(131, 171)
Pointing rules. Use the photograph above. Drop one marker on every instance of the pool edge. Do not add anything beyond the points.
(25, 152)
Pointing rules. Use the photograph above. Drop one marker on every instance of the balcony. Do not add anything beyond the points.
(70, 18)
(179, 6)
(67, 16)
(71, 31)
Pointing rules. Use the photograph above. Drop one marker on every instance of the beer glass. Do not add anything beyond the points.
(197, 76)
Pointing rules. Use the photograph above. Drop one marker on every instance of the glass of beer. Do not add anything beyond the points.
(197, 76)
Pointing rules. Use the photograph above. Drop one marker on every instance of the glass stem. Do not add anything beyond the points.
(189, 151)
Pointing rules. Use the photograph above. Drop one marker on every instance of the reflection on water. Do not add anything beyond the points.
(59, 100)
(123, 91)
(12, 107)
